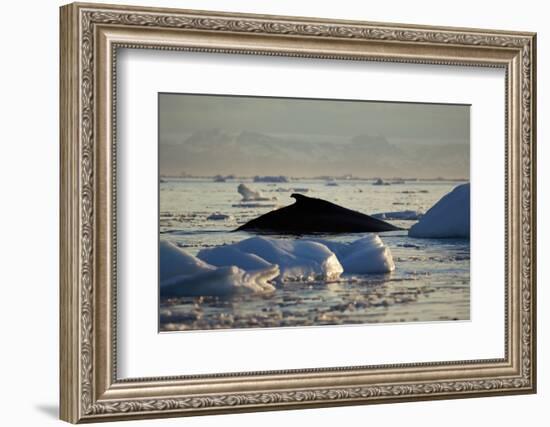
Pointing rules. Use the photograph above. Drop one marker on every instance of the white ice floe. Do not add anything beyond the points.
(232, 255)
(305, 259)
(279, 178)
(367, 255)
(175, 261)
(297, 259)
(399, 215)
(249, 195)
(449, 217)
(250, 265)
(182, 274)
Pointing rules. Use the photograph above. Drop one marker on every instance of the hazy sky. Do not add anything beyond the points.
(209, 135)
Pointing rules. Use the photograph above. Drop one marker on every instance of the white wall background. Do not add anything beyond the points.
(29, 170)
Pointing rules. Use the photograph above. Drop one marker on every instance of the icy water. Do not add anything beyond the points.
(431, 280)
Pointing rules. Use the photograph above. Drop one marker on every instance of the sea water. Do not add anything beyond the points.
(431, 280)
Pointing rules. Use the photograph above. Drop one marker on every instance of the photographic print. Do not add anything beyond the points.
(279, 212)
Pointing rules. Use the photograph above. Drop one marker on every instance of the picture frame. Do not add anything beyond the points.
(91, 35)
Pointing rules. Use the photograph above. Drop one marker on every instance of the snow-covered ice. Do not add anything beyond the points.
(305, 259)
(297, 259)
(250, 195)
(449, 217)
(232, 255)
(182, 274)
(270, 179)
(175, 261)
(367, 255)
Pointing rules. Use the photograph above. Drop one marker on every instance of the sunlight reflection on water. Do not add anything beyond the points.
(431, 281)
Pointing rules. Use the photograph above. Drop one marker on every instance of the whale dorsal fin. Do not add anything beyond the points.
(311, 203)
(299, 197)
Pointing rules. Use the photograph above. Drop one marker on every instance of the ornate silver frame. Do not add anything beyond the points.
(90, 36)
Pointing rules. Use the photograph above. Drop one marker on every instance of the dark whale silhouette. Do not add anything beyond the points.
(311, 215)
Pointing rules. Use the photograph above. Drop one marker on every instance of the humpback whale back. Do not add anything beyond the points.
(312, 215)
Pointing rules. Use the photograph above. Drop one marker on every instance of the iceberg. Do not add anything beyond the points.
(182, 275)
(279, 178)
(249, 195)
(253, 265)
(449, 217)
(232, 255)
(305, 259)
(367, 255)
(296, 259)
(220, 282)
(175, 261)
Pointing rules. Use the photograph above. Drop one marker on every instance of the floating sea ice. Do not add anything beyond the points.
(182, 274)
(175, 261)
(367, 255)
(271, 179)
(297, 259)
(232, 255)
(218, 217)
(399, 215)
(250, 195)
(449, 217)
(223, 281)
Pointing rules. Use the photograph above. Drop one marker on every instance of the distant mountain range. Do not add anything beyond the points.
(246, 153)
